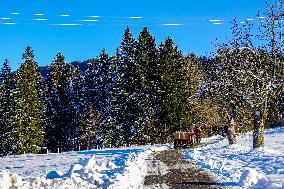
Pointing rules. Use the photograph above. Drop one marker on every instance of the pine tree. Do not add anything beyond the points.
(102, 82)
(75, 105)
(110, 124)
(125, 108)
(148, 93)
(174, 92)
(29, 115)
(89, 81)
(7, 109)
(99, 90)
(65, 104)
(54, 95)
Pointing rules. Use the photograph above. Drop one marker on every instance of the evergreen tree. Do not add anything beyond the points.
(65, 104)
(54, 127)
(89, 133)
(125, 104)
(174, 91)
(99, 84)
(7, 109)
(102, 83)
(148, 93)
(89, 82)
(29, 115)
(110, 124)
(75, 105)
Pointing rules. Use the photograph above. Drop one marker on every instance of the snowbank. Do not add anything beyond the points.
(240, 164)
(251, 177)
(114, 168)
(84, 175)
(135, 172)
(38, 165)
(9, 180)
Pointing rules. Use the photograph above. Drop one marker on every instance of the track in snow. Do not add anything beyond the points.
(167, 169)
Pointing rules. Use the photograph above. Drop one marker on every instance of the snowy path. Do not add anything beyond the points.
(167, 169)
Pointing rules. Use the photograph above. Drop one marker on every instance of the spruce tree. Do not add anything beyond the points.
(146, 60)
(7, 110)
(127, 86)
(29, 115)
(65, 104)
(174, 92)
(126, 90)
(53, 100)
(73, 107)
(111, 124)
(102, 83)
(89, 81)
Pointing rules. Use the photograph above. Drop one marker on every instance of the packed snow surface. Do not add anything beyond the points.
(112, 168)
(242, 166)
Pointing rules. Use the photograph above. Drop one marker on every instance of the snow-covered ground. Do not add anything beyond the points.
(240, 164)
(112, 168)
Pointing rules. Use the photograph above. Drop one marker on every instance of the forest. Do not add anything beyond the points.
(145, 92)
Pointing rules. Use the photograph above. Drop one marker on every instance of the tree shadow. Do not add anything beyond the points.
(210, 183)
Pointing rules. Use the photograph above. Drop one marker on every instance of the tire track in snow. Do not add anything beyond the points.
(167, 169)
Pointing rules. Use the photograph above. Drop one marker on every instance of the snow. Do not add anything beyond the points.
(250, 177)
(236, 166)
(112, 168)
(39, 165)
(135, 171)
(240, 164)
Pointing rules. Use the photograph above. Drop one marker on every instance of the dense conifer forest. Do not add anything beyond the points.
(144, 92)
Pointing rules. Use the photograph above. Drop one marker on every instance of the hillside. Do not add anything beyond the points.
(81, 65)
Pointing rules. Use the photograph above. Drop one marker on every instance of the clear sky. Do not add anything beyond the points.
(82, 28)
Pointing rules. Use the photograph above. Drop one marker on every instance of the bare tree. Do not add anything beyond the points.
(257, 69)
(261, 80)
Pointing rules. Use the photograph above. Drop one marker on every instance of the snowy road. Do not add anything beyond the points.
(167, 169)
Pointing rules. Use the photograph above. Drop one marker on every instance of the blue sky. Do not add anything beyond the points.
(82, 28)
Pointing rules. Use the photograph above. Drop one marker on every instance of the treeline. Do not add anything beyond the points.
(144, 93)
(139, 95)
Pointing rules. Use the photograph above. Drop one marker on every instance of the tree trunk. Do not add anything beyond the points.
(88, 143)
(258, 131)
(232, 132)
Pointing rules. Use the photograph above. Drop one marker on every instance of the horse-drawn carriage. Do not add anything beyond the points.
(184, 139)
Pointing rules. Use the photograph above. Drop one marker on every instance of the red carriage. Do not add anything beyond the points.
(184, 139)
